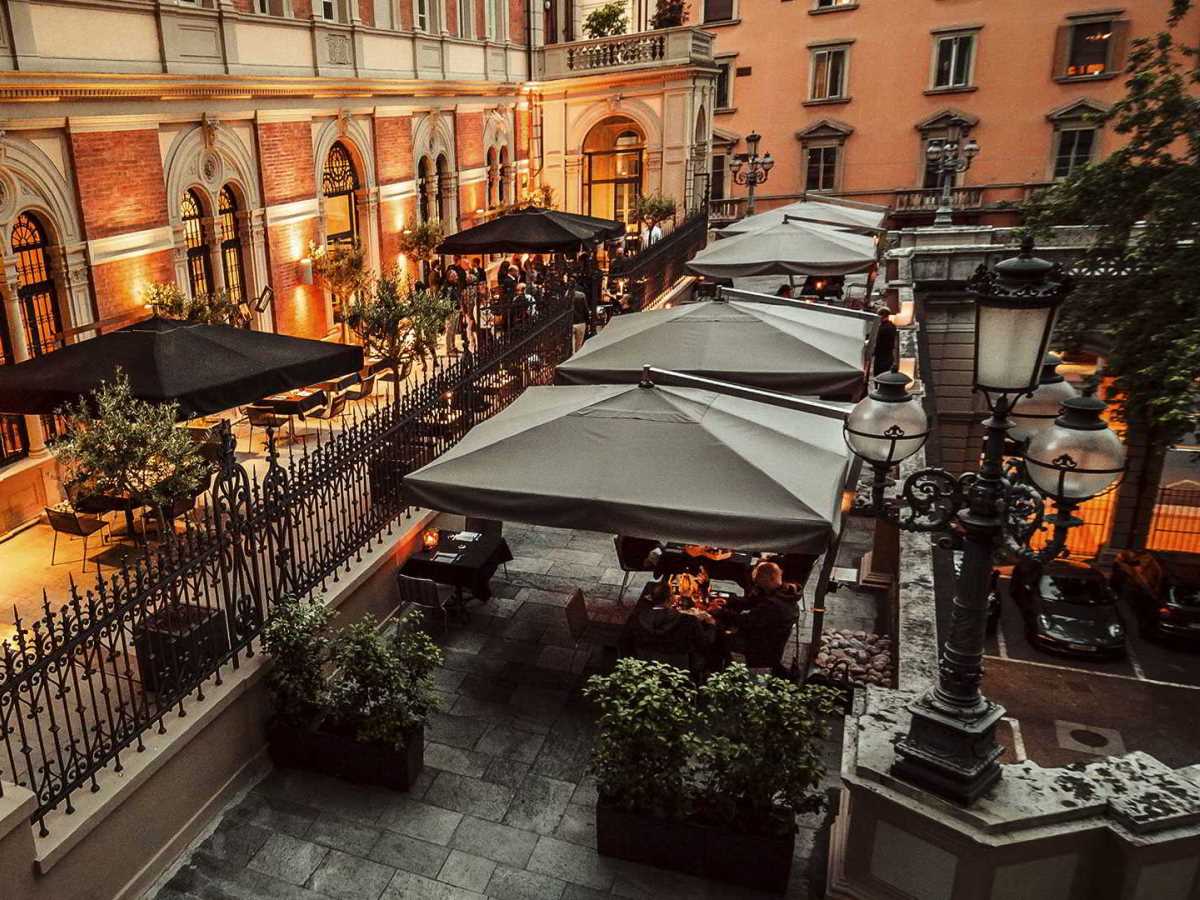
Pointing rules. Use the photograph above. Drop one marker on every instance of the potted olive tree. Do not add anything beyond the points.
(365, 722)
(706, 780)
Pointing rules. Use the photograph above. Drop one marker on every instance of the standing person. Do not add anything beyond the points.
(508, 282)
(581, 316)
(453, 321)
(468, 306)
(457, 266)
(886, 340)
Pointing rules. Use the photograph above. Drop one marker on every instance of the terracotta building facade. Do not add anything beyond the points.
(847, 94)
(213, 144)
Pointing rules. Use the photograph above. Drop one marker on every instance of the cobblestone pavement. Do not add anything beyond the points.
(504, 807)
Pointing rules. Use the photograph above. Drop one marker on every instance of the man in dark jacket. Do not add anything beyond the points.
(765, 619)
(658, 628)
(886, 339)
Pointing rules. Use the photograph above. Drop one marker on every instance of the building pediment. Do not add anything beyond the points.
(944, 119)
(1078, 109)
(723, 138)
(824, 129)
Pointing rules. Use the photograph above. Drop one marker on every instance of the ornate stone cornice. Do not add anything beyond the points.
(18, 87)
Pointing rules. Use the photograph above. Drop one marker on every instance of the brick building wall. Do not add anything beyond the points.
(118, 285)
(522, 120)
(286, 155)
(366, 12)
(516, 22)
(111, 201)
(393, 149)
(468, 135)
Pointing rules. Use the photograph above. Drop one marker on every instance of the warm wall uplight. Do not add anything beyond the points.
(904, 318)
(306, 270)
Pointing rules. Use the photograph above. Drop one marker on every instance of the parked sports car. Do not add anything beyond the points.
(1068, 608)
(1163, 590)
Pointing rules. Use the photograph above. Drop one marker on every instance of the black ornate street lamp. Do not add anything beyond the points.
(750, 169)
(949, 156)
(951, 747)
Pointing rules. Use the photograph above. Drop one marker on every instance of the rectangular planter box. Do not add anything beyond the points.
(179, 645)
(344, 757)
(753, 860)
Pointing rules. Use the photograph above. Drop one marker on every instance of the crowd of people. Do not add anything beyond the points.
(676, 617)
(488, 305)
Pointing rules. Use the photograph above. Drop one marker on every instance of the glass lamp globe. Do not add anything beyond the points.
(1079, 456)
(1015, 307)
(888, 425)
(1034, 414)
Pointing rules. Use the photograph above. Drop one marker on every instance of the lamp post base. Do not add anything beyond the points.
(943, 217)
(953, 756)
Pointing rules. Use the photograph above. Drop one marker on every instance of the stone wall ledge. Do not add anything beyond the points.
(1133, 795)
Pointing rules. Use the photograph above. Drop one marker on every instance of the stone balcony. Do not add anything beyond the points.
(649, 49)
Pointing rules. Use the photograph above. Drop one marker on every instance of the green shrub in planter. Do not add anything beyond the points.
(381, 690)
(759, 750)
(642, 754)
(297, 638)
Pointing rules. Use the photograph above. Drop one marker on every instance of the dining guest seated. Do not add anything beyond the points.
(657, 625)
(763, 620)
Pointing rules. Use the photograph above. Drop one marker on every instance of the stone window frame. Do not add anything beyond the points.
(945, 34)
(821, 134)
(1074, 116)
(814, 50)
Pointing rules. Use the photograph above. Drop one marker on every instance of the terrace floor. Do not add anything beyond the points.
(504, 807)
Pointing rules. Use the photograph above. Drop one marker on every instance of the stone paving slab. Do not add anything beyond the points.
(505, 807)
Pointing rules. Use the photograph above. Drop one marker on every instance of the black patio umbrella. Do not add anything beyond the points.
(204, 368)
(533, 230)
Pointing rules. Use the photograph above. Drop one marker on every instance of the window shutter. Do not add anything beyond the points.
(1062, 47)
(1117, 45)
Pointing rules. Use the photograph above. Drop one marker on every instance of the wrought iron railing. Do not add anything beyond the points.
(658, 266)
(81, 686)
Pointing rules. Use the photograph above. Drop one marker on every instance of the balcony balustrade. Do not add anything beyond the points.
(663, 48)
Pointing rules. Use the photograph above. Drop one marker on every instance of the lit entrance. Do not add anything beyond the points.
(612, 177)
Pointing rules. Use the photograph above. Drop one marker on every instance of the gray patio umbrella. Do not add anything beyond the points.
(865, 219)
(787, 248)
(671, 463)
(796, 348)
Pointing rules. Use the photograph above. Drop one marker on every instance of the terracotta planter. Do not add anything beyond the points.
(343, 757)
(753, 860)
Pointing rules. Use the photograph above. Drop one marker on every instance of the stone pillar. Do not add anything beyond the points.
(367, 202)
(212, 240)
(573, 199)
(182, 281)
(252, 229)
(20, 350)
(72, 278)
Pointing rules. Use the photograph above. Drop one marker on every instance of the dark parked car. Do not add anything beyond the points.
(1068, 608)
(1163, 590)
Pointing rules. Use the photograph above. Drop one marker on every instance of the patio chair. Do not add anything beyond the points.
(71, 523)
(487, 528)
(362, 391)
(334, 408)
(583, 627)
(424, 594)
(263, 417)
(632, 556)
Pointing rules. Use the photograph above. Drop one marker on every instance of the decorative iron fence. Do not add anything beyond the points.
(657, 267)
(1176, 521)
(81, 686)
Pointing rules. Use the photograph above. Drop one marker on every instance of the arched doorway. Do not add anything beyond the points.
(339, 181)
(199, 263)
(614, 151)
(35, 285)
(231, 244)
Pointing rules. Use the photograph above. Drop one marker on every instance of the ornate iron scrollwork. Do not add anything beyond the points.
(932, 497)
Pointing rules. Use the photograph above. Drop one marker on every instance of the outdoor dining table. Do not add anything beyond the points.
(461, 562)
(721, 565)
(336, 385)
(296, 403)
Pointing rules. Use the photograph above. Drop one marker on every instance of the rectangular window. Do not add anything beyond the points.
(718, 10)
(830, 4)
(724, 98)
(1075, 147)
(495, 20)
(828, 80)
(466, 19)
(272, 7)
(821, 169)
(716, 180)
(953, 62)
(383, 14)
(421, 15)
(1090, 45)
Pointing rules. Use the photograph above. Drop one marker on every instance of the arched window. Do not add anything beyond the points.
(35, 286)
(613, 153)
(504, 176)
(231, 244)
(443, 189)
(493, 179)
(339, 181)
(425, 190)
(199, 264)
